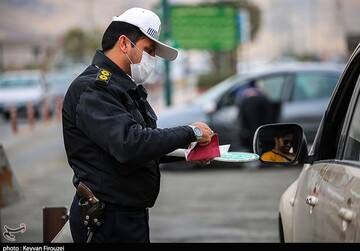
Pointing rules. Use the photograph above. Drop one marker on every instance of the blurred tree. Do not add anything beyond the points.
(93, 42)
(79, 45)
(74, 44)
(307, 56)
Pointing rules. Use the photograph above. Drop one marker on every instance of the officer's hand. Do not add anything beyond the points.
(207, 133)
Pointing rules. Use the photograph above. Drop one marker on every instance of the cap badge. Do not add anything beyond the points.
(153, 33)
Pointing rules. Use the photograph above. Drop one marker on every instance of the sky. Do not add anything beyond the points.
(29, 17)
(41, 17)
(303, 25)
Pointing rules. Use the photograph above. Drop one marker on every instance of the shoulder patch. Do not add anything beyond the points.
(103, 76)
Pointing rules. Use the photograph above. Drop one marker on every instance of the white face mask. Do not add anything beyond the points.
(141, 71)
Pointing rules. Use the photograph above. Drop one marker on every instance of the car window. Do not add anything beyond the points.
(230, 97)
(272, 86)
(335, 125)
(352, 145)
(309, 86)
(220, 88)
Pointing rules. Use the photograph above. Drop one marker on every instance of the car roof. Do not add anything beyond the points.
(22, 74)
(242, 78)
(295, 67)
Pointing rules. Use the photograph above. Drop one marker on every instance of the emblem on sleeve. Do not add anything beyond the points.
(103, 76)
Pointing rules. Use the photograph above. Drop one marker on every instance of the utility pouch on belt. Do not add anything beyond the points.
(90, 208)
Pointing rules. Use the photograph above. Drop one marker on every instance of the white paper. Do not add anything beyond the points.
(177, 153)
(181, 151)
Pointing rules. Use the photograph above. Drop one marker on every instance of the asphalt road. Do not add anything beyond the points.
(214, 204)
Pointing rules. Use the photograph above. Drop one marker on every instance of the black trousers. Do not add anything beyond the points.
(117, 226)
(254, 112)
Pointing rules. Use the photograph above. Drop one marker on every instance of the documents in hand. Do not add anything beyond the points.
(214, 150)
(225, 155)
(197, 152)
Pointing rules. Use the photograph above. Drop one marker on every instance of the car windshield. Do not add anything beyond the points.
(17, 83)
(213, 92)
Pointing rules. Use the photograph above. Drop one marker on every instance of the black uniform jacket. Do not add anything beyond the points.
(110, 136)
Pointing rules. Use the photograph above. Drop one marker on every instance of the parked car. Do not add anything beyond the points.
(323, 203)
(21, 88)
(61, 79)
(299, 93)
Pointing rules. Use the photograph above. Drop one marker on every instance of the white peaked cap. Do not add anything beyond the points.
(149, 23)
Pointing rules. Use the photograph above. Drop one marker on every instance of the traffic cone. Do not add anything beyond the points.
(59, 104)
(46, 110)
(30, 115)
(13, 119)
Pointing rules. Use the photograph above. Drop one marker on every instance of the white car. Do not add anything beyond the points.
(21, 88)
(323, 203)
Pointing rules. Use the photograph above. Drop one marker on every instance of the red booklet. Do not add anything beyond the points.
(198, 152)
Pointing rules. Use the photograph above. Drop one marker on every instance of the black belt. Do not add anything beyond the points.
(119, 208)
(114, 207)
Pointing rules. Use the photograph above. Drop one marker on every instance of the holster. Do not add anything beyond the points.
(91, 208)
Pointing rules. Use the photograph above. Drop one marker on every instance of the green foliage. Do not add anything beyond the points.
(307, 57)
(209, 80)
(74, 42)
(79, 45)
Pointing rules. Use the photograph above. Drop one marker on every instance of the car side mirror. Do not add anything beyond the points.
(280, 144)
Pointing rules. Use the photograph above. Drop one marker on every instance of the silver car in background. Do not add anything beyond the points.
(299, 93)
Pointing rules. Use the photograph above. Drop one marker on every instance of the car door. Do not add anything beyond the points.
(352, 153)
(339, 192)
(303, 215)
(308, 99)
(226, 118)
(275, 87)
(326, 211)
(326, 207)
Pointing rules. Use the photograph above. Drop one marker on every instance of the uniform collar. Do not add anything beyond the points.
(102, 61)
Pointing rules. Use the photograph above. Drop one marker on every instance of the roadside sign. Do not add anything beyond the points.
(213, 27)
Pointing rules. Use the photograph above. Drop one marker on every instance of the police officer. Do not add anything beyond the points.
(110, 134)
